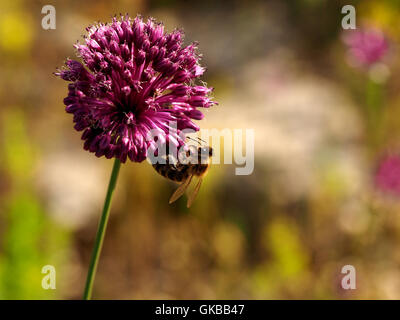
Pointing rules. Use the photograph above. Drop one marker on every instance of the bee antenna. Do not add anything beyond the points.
(191, 139)
(201, 139)
(198, 140)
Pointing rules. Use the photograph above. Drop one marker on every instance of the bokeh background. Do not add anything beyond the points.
(323, 126)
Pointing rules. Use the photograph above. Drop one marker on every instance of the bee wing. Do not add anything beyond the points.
(181, 189)
(194, 193)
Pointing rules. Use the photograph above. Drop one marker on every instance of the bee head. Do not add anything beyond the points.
(205, 152)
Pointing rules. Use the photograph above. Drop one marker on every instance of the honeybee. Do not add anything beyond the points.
(184, 173)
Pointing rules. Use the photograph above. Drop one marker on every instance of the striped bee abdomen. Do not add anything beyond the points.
(172, 172)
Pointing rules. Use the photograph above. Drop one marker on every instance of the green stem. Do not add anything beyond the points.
(374, 102)
(101, 231)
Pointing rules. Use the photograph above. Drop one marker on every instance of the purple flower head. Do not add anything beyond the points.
(366, 47)
(387, 177)
(136, 79)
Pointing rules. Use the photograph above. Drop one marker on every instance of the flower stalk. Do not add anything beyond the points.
(136, 83)
(101, 231)
(374, 99)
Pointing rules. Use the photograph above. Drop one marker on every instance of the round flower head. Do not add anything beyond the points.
(138, 79)
(387, 177)
(366, 46)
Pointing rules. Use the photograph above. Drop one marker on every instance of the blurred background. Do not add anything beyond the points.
(325, 192)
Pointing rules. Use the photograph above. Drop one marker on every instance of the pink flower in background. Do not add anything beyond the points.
(387, 176)
(366, 46)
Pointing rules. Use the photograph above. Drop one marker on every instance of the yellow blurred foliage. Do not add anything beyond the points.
(16, 32)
